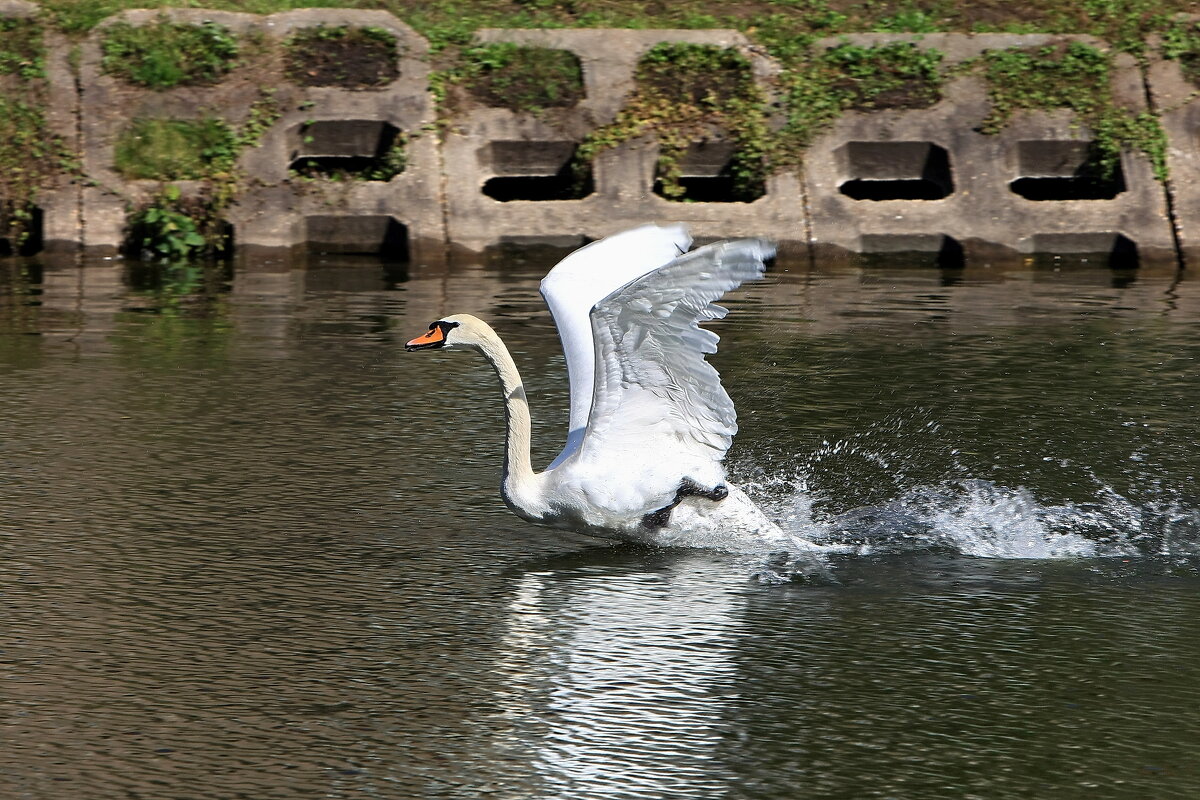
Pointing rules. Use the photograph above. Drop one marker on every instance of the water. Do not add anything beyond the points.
(251, 549)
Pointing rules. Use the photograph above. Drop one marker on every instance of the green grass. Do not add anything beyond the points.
(166, 54)
(174, 149)
(521, 78)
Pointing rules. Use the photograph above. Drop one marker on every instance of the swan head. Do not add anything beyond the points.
(459, 330)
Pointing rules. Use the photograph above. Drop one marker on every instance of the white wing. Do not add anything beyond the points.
(658, 405)
(583, 279)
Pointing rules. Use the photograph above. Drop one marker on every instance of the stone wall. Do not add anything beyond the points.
(922, 181)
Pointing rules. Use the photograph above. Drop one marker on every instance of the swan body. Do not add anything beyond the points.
(649, 422)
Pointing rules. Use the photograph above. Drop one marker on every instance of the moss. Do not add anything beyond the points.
(353, 58)
(523, 78)
(166, 54)
(174, 149)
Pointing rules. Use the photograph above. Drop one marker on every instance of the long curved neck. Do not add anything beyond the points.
(518, 471)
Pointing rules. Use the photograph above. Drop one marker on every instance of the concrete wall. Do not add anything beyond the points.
(888, 181)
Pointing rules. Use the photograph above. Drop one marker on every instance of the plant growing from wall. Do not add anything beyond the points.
(350, 57)
(174, 149)
(1181, 42)
(819, 89)
(166, 54)
(31, 156)
(206, 150)
(522, 78)
(167, 229)
(1077, 77)
(688, 93)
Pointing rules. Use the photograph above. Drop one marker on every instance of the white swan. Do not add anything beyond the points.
(650, 422)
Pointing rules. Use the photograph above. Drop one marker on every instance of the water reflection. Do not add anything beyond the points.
(248, 548)
(626, 663)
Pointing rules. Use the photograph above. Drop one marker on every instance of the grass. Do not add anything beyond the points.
(521, 78)
(166, 54)
(174, 149)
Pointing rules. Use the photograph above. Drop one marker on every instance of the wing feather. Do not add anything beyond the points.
(655, 394)
(585, 278)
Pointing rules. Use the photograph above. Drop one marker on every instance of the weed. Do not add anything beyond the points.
(1074, 76)
(821, 89)
(175, 149)
(30, 158)
(522, 78)
(165, 54)
(343, 56)
(22, 52)
(164, 230)
(1181, 42)
(688, 93)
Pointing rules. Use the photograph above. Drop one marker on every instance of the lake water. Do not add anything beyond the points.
(249, 548)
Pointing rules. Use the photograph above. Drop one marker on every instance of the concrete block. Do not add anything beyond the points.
(1177, 102)
(274, 207)
(57, 223)
(502, 168)
(928, 180)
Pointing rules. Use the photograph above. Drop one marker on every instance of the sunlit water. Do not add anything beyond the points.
(251, 549)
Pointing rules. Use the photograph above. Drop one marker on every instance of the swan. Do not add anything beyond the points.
(649, 420)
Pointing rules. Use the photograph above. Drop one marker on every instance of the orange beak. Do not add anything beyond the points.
(435, 338)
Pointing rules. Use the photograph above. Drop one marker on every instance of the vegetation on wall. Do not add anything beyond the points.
(1074, 76)
(521, 78)
(349, 57)
(31, 156)
(690, 93)
(172, 226)
(166, 54)
(1181, 42)
(819, 89)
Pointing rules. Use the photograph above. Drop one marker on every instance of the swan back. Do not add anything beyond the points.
(583, 279)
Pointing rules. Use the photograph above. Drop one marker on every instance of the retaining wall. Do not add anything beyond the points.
(889, 181)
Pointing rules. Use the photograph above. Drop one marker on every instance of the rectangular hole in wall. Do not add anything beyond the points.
(362, 149)
(1064, 170)
(537, 171)
(911, 249)
(706, 175)
(1104, 249)
(357, 234)
(895, 171)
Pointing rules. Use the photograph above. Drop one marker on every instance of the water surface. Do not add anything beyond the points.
(251, 549)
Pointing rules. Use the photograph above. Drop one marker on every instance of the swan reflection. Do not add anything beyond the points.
(614, 683)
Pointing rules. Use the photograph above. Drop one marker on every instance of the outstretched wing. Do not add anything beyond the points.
(657, 402)
(583, 279)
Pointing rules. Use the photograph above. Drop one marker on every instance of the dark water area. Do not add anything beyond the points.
(249, 548)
